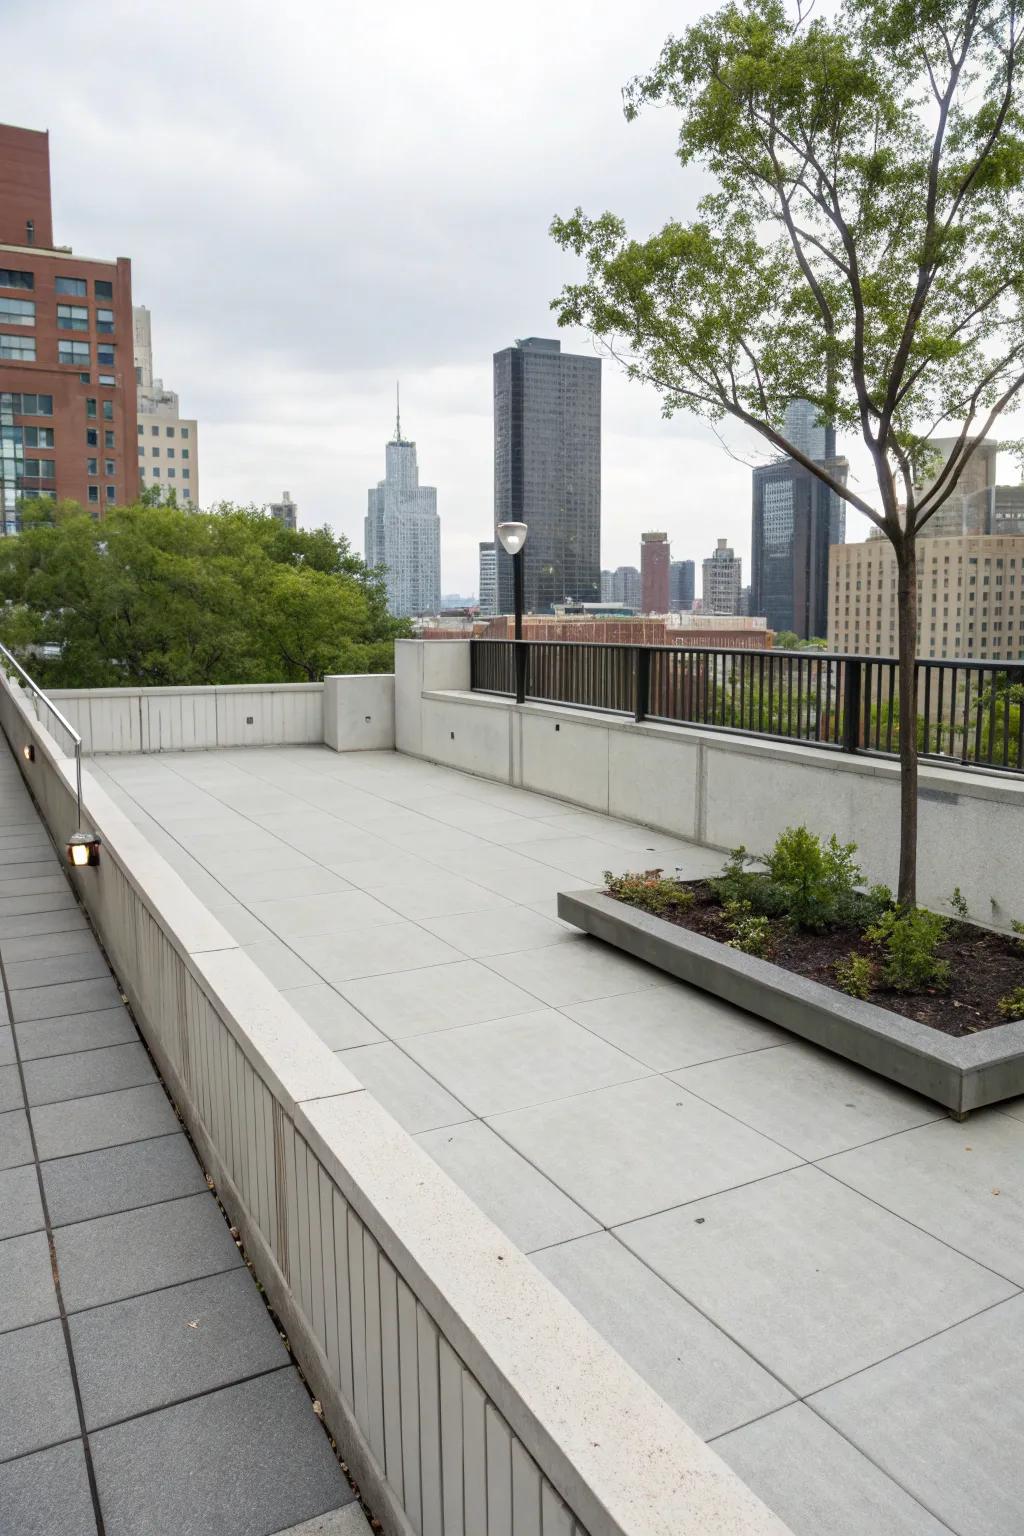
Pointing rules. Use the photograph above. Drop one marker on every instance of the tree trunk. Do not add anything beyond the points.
(906, 564)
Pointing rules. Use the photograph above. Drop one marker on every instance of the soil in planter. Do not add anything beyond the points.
(984, 966)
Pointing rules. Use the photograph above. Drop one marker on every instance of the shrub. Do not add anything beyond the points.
(1018, 929)
(855, 975)
(959, 904)
(819, 879)
(649, 891)
(738, 883)
(749, 931)
(1012, 1005)
(909, 938)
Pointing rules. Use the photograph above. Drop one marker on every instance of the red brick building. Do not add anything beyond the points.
(655, 561)
(67, 373)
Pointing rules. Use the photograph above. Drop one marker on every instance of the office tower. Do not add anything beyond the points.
(796, 519)
(168, 442)
(488, 577)
(607, 586)
(67, 387)
(970, 604)
(403, 531)
(547, 471)
(681, 586)
(286, 511)
(722, 581)
(655, 561)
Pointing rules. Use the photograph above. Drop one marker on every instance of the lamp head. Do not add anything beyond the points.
(83, 849)
(512, 537)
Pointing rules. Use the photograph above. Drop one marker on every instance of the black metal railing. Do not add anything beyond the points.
(969, 713)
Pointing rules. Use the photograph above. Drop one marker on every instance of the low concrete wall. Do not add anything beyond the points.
(469, 1397)
(718, 789)
(359, 712)
(187, 719)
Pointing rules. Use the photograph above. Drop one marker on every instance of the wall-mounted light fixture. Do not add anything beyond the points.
(28, 752)
(83, 849)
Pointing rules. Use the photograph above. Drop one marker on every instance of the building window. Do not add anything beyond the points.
(73, 352)
(168, 431)
(156, 453)
(83, 378)
(103, 289)
(92, 466)
(184, 453)
(94, 493)
(170, 453)
(108, 410)
(30, 405)
(74, 285)
(108, 379)
(92, 437)
(184, 431)
(72, 317)
(108, 439)
(9, 278)
(111, 492)
(140, 429)
(41, 469)
(18, 349)
(109, 467)
(186, 474)
(154, 431)
(90, 410)
(105, 322)
(171, 473)
(17, 312)
(38, 437)
(142, 453)
(155, 471)
(105, 353)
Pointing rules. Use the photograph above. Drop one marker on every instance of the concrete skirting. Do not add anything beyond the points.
(963, 1074)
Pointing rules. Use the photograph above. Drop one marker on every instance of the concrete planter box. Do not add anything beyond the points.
(963, 1074)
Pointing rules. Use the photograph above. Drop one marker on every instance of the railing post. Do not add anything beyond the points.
(521, 654)
(641, 681)
(851, 705)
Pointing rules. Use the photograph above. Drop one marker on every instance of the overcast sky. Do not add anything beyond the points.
(320, 199)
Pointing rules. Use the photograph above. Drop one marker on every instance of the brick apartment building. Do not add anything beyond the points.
(67, 375)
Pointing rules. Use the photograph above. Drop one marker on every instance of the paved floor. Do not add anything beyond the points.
(821, 1273)
(143, 1386)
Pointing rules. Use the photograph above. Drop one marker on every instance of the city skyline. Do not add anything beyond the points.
(402, 531)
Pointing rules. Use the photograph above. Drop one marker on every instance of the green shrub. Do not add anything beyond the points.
(1012, 1005)
(855, 975)
(819, 879)
(749, 931)
(1018, 929)
(959, 904)
(909, 938)
(649, 891)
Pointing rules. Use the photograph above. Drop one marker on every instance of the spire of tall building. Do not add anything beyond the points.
(398, 415)
(403, 531)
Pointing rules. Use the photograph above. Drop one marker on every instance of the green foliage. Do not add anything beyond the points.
(814, 884)
(1012, 1005)
(855, 975)
(959, 904)
(909, 938)
(1018, 928)
(155, 596)
(649, 891)
(749, 932)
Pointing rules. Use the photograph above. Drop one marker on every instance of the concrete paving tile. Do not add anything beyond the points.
(61, 899)
(48, 1492)
(10, 1089)
(240, 923)
(528, 1059)
(65, 917)
(812, 1102)
(81, 1074)
(44, 946)
(641, 1147)
(120, 1179)
(817, 1482)
(947, 1419)
(76, 1032)
(415, 1002)
(961, 1183)
(527, 1207)
(15, 1141)
(21, 1209)
(575, 973)
(333, 912)
(440, 896)
(64, 997)
(367, 874)
(527, 886)
(37, 1404)
(710, 1382)
(349, 1521)
(398, 946)
(7, 1056)
(248, 1460)
(503, 932)
(106, 1120)
(408, 1093)
(84, 966)
(673, 1026)
(280, 964)
(1014, 1108)
(150, 1351)
(338, 1024)
(284, 884)
(814, 1280)
(26, 1283)
(113, 1257)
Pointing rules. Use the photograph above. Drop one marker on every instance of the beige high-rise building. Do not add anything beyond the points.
(168, 441)
(970, 597)
(723, 580)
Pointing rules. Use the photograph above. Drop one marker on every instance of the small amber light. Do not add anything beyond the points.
(83, 849)
(28, 752)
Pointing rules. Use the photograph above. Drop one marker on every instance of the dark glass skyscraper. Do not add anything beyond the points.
(547, 471)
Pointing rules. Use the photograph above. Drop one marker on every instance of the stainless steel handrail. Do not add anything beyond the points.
(64, 721)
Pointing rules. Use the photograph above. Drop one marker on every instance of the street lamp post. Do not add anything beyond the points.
(512, 537)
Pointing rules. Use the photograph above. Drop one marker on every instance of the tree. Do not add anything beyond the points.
(861, 250)
(156, 596)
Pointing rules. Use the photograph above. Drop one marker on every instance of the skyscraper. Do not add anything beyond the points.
(488, 577)
(67, 385)
(403, 531)
(168, 443)
(547, 471)
(796, 519)
(681, 586)
(723, 580)
(285, 510)
(655, 560)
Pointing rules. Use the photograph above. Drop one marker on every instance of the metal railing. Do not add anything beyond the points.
(39, 697)
(969, 713)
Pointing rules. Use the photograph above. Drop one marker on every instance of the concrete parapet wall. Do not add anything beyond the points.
(359, 712)
(468, 1395)
(190, 719)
